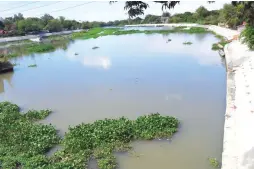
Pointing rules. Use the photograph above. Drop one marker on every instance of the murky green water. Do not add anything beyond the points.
(132, 75)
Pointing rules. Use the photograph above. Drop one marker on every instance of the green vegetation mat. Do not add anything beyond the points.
(23, 143)
(97, 32)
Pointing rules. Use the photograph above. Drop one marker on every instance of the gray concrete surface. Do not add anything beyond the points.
(238, 143)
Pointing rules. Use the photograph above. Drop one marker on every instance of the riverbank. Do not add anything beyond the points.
(238, 144)
(238, 151)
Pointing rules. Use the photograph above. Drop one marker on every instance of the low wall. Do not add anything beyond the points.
(238, 143)
(19, 38)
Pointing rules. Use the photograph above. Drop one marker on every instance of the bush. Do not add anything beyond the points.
(248, 36)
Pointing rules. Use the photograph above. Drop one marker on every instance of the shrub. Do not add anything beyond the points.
(248, 36)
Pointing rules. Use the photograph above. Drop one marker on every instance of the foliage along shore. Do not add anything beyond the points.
(23, 143)
(51, 43)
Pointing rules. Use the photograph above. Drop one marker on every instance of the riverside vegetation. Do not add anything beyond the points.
(222, 42)
(23, 143)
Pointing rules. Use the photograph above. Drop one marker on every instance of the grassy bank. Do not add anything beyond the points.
(23, 143)
(30, 48)
(222, 42)
(98, 32)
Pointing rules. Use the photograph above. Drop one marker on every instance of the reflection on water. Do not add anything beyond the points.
(20, 48)
(6, 77)
(132, 75)
(98, 61)
(90, 61)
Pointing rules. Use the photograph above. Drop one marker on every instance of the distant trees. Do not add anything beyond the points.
(152, 19)
(1, 25)
(18, 25)
(54, 25)
(29, 25)
(46, 18)
(202, 12)
(229, 14)
(18, 17)
(165, 14)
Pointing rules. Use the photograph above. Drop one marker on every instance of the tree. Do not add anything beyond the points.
(136, 8)
(202, 12)
(54, 26)
(232, 14)
(62, 19)
(1, 25)
(248, 10)
(18, 17)
(29, 25)
(46, 18)
(165, 14)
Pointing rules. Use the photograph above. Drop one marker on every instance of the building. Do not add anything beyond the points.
(2, 32)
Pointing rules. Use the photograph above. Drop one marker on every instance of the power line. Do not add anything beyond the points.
(37, 7)
(68, 8)
(72, 7)
(18, 6)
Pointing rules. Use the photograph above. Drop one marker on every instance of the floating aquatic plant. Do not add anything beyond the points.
(24, 143)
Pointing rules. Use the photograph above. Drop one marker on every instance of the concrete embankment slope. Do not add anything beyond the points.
(238, 143)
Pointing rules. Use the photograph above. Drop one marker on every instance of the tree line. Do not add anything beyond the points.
(231, 15)
(18, 25)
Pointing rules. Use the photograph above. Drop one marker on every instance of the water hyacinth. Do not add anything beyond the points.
(23, 144)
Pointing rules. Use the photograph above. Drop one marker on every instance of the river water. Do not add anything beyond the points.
(131, 75)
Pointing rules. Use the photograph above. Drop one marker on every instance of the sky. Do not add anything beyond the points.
(92, 10)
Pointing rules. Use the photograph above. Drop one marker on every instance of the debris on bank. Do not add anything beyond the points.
(6, 67)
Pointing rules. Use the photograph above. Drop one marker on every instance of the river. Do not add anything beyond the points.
(131, 75)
